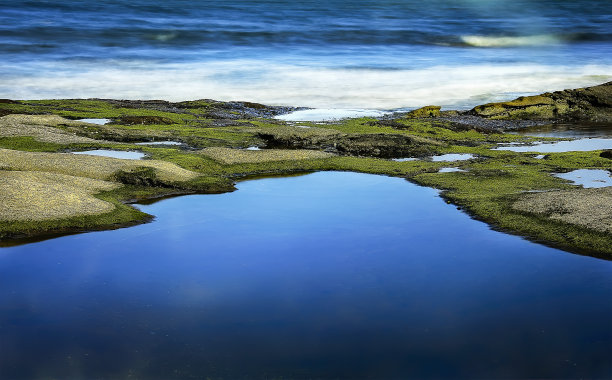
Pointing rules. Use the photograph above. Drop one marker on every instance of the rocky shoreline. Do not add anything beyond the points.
(210, 154)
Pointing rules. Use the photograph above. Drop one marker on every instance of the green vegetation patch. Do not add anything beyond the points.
(512, 191)
(490, 187)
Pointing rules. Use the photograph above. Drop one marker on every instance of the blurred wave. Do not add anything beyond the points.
(286, 84)
(533, 40)
(338, 53)
(488, 41)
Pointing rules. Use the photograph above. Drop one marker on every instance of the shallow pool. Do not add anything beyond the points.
(443, 157)
(588, 177)
(451, 170)
(96, 121)
(160, 143)
(453, 157)
(582, 145)
(114, 153)
(573, 130)
(327, 275)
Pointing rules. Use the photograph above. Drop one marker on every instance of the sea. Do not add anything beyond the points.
(333, 54)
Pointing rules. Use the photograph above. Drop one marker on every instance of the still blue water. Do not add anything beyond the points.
(327, 54)
(576, 145)
(329, 275)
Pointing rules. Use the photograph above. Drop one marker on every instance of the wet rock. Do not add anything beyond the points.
(133, 120)
(427, 111)
(590, 103)
(251, 110)
(387, 123)
(367, 145)
(221, 115)
(155, 105)
(139, 176)
(606, 154)
(464, 121)
(382, 146)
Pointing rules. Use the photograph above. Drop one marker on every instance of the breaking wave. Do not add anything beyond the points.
(508, 41)
(461, 86)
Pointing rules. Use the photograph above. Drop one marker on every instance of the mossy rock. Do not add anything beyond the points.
(590, 103)
(133, 120)
(606, 154)
(427, 111)
(140, 176)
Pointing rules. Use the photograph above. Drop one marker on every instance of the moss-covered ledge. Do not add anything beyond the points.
(40, 175)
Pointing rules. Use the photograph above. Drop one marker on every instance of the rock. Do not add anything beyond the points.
(427, 111)
(590, 103)
(132, 120)
(606, 154)
(369, 145)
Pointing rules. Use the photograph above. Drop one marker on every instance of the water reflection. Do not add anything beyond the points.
(96, 121)
(579, 145)
(451, 170)
(328, 275)
(443, 157)
(571, 130)
(588, 177)
(114, 154)
(169, 143)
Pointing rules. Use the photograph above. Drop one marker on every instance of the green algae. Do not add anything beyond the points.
(590, 103)
(423, 112)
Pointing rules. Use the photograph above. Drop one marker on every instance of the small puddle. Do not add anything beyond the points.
(405, 159)
(588, 177)
(114, 154)
(444, 157)
(579, 145)
(253, 148)
(451, 170)
(453, 157)
(95, 121)
(540, 156)
(160, 143)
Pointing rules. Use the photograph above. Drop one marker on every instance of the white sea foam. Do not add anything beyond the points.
(511, 41)
(277, 84)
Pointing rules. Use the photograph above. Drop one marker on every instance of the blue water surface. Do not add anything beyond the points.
(328, 275)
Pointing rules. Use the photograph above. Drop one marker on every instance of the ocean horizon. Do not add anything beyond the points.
(383, 55)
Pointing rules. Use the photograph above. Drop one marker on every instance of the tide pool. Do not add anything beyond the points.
(327, 275)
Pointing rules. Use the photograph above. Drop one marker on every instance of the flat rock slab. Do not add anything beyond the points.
(88, 166)
(42, 128)
(239, 156)
(36, 196)
(591, 208)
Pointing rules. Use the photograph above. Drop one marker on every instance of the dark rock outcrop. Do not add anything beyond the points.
(427, 111)
(590, 103)
(366, 145)
(606, 154)
(133, 120)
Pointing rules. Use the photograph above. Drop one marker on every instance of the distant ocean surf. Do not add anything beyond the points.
(334, 54)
